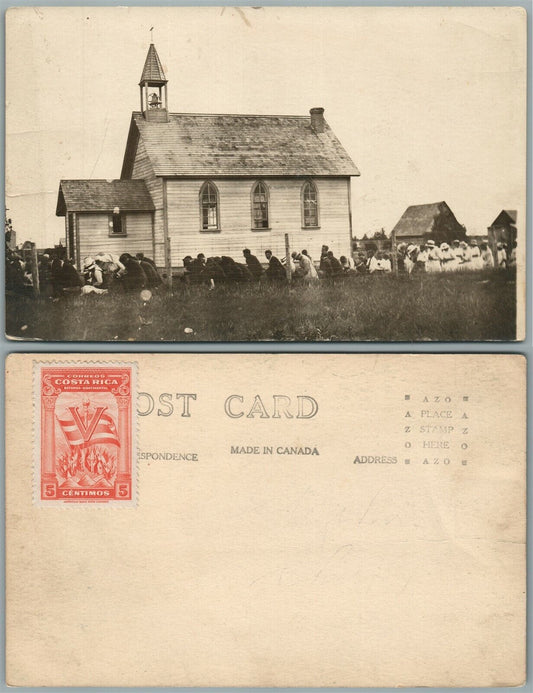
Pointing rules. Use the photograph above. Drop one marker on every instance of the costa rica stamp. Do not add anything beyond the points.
(86, 434)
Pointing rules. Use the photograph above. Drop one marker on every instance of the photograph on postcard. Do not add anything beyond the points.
(361, 525)
(277, 173)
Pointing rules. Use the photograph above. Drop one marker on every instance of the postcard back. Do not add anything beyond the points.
(265, 520)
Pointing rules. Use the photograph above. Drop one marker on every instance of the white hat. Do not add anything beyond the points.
(444, 246)
(431, 242)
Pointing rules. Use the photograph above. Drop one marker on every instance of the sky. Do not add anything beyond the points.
(430, 103)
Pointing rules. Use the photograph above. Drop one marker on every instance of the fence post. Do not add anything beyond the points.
(288, 258)
(394, 252)
(168, 263)
(34, 269)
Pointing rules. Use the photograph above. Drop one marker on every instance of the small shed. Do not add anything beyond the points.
(503, 228)
(111, 216)
(436, 220)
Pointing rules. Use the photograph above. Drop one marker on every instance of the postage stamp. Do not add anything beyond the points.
(86, 435)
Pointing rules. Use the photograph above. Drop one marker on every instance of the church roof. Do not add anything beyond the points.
(153, 70)
(103, 196)
(418, 220)
(237, 145)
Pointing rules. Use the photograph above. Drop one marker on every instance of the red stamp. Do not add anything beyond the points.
(86, 430)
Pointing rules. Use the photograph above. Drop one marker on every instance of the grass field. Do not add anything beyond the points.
(443, 307)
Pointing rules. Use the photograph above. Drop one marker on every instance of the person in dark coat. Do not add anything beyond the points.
(253, 264)
(235, 271)
(324, 260)
(275, 271)
(335, 265)
(142, 258)
(152, 276)
(134, 278)
(56, 272)
(71, 279)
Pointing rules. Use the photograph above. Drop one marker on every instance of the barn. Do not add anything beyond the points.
(215, 184)
(435, 220)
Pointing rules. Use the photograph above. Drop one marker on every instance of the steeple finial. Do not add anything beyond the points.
(151, 34)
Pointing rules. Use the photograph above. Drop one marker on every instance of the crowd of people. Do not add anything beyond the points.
(221, 269)
(101, 274)
(107, 273)
(457, 257)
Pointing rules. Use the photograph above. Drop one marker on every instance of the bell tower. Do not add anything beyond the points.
(153, 88)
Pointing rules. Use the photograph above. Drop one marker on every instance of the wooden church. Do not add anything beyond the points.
(215, 184)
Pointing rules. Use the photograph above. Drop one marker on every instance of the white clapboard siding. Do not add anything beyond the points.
(285, 216)
(95, 238)
(142, 168)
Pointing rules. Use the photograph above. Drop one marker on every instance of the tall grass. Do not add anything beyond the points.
(444, 307)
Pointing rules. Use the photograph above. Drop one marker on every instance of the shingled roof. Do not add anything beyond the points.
(153, 70)
(417, 220)
(506, 216)
(103, 196)
(237, 145)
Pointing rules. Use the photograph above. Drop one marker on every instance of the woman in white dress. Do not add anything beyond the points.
(476, 263)
(486, 256)
(447, 258)
(465, 263)
(433, 261)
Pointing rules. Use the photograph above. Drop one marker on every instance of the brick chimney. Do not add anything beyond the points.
(317, 119)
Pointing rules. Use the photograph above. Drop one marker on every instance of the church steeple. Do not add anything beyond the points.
(154, 106)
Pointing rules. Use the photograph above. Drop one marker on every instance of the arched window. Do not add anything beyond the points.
(309, 205)
(260, 206)
(209, 214)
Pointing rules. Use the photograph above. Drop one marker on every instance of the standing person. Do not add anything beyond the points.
(486, 256)
(501, 256)
(433, 261)
(476, 263)
(409, 260)
(275, 271)
(458, 253)
(447, 258)
(253, 264)
(467, 256)
(45, 276)
(512, 257)
(421, 258)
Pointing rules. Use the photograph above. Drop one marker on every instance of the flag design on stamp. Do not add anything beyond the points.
(86, 445)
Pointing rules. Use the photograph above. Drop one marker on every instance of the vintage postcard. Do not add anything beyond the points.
(266, 173)
(299, 520)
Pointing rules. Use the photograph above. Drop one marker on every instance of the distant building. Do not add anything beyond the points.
(214, 184)
(503, 228)
(419, 223)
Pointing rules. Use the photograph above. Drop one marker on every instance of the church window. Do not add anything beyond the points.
(209, 207)
(309, 205)
(117, 225)
(260, 206)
